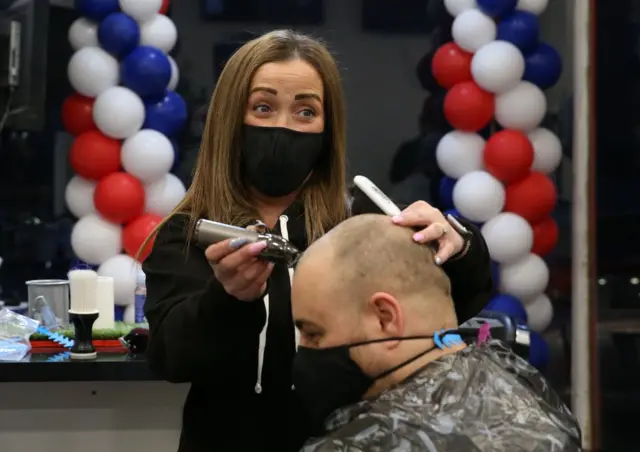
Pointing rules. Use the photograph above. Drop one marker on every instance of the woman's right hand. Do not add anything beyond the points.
(237, 267)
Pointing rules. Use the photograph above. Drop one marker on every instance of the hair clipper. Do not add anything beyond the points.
(278, 250)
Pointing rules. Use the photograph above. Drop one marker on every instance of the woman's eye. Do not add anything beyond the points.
(308, 113)
(262, 108)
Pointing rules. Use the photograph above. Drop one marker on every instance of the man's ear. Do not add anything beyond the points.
(388, 313)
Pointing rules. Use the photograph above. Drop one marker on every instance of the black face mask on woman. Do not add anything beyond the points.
(328, 378)
(276, 160)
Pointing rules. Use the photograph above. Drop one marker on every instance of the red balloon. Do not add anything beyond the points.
(468, 107)
(545, 236)
(164, 9)
(136, 232)
(94, 156)
(508, 155)
(451, 65)
(119, 197)
(533, 198)
(77, 114)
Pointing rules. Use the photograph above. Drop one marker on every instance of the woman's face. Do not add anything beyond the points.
(287, 94)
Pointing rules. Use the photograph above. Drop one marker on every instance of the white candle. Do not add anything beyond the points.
(106, 319)
(84, 290)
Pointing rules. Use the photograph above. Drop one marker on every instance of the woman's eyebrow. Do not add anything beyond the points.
(264, 89)
(300, 96)
(303, 96)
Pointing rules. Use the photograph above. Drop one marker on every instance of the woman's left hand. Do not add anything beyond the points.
(436, 227)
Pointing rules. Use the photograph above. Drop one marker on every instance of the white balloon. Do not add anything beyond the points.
(163, 196)
(94, 239)
(83, 33)
(79, 196)
(456, 7)
(509, 237)
(92, 71)
(118, 112)
(141, 10)
(147, 155)
(160, 32)
(478, 196)
(525, 278)
(459, 153)
(547, 150)
(175, 75)
(539, 313)
(498, 66)
(124, 271)
(472, 29)
(521, 108)
(536, 7)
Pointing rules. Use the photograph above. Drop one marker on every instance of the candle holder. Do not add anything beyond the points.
(83, 325)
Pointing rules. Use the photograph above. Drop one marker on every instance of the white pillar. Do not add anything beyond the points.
(583, 72)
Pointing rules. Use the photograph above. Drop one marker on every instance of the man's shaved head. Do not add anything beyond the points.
(364, 256)
(370, 252)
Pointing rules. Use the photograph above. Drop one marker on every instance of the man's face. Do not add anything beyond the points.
(322, 320)
(328, 318)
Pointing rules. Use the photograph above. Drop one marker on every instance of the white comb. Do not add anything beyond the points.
(377, 196)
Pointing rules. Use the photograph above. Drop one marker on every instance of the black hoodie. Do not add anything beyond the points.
(237, 357)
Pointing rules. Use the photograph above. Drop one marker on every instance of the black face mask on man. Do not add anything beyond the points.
(328, 378)
(276, 160)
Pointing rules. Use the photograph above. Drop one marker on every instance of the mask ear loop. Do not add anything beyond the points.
(441, 339)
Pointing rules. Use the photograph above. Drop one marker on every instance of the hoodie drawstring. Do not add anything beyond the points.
(284, 229)
(262, 345)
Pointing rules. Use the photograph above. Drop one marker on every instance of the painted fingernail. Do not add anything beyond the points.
(257, 247)
(438, 260)
(418, 237)
(397, 219)
(238, 243)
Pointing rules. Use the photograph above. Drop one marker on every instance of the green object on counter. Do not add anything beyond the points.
(120, 329)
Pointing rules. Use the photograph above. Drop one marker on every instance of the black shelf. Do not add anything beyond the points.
(37, 368)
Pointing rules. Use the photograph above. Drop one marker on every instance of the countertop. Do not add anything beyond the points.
(45, 365)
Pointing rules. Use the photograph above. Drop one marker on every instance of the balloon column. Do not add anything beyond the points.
(496, 69)
(124, 114)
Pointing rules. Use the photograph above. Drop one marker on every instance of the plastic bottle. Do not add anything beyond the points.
(140, 296)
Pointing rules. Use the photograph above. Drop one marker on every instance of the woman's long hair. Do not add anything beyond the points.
(217, 191)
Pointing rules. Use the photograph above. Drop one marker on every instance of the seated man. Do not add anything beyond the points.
(368, 302)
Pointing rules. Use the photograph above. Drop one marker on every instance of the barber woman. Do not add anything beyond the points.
(273, 150)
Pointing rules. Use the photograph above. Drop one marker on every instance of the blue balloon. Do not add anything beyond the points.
(495, 273)
(520, 28)
(538, 351)
(446, 192)
(118, 313)
(543, 66)
(496, 8)
(509, 305)
(119, 34)
(146, 70)
(97, 9)
(167, 116)
(82, 265)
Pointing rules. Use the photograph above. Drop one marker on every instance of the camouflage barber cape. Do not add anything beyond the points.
(484, 398)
